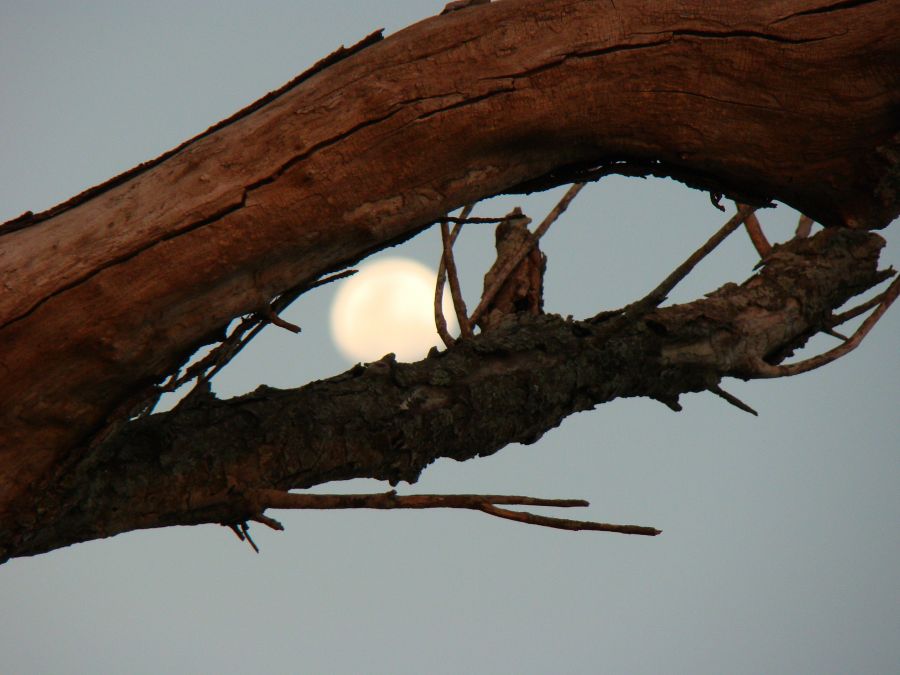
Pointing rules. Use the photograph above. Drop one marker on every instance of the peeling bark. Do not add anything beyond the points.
(790, 100)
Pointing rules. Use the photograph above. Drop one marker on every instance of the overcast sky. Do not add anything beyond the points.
(780, 546)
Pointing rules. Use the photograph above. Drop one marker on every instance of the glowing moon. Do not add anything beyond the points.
(388, 306)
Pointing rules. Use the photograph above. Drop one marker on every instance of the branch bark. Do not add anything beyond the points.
(104, 296)
(204, 461)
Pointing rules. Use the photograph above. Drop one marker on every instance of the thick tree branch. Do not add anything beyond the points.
(204, 461)
(107, 295)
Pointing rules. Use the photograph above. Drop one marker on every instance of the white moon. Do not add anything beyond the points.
(388, 306)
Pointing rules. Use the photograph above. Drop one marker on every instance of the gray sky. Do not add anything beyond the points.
(780, 544)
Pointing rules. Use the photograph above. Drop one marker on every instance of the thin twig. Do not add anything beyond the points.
(276, 320)
(566, 524)
(804, 227)
(242, 334)
(440, 322)
(732, 399)
(278, 499)
(764, 369)
(513, 262)
(465, 220)
(757, 236)
(459, 305)
(844, 317)
(658, 294)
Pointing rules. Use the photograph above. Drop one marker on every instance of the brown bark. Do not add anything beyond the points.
(101, 297)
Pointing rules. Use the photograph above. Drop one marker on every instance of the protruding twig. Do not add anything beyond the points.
(278, 499)
(844, 317)
(440, 322)
(754, 230)
(242, 530)
(566, 524)
(732, 399)
(887, 298)
(513, 262)
(835, 334)
(804, 227)
(658, 294)
(273, 318)
(459, 305)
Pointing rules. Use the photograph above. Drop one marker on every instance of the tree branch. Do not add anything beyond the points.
(390, 420)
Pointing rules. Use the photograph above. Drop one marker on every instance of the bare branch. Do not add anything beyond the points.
(733, 400)
(757, 236)
(658, 294)
(439, 321)
(278, 499)
(768, 370)
(459, 305)
(270, 316)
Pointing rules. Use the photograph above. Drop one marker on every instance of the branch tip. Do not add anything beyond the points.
(488, 504)
(732, 399)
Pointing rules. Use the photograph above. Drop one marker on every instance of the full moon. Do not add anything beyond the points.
(388, 306)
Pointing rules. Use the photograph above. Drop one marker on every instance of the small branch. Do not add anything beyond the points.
(270, 316)
(768, 370)
(566, 524)
(658, 294)
(440, 322)
(277, 499)
(804, 227)
(242, 531)
(732, 399)
(459, 305)
(465, 220)
(511, 264)
(757, 236)
(844, 317)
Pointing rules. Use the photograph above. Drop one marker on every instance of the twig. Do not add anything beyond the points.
(757, 236)
(465, 220)
(245, 331)
(276, 320)
(513, 262)
(242, 531)
(833, 333)
(459, 305)
(844, 317)
(804, 227)
(658, 294)
(566, 524)
(440, 322)
(278, 499)
(768, 370)
(732, 399)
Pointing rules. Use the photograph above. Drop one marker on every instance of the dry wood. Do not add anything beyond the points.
(108, 294)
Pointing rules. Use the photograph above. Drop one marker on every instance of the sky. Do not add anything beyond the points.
(780, 533)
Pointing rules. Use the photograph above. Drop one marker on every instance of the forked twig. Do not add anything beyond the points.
(277, 499)
(764, 369)
(513, 262)
(439, 321)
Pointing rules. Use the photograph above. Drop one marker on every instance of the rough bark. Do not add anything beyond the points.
(104, 295)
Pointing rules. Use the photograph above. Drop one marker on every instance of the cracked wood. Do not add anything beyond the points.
(108, 293)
